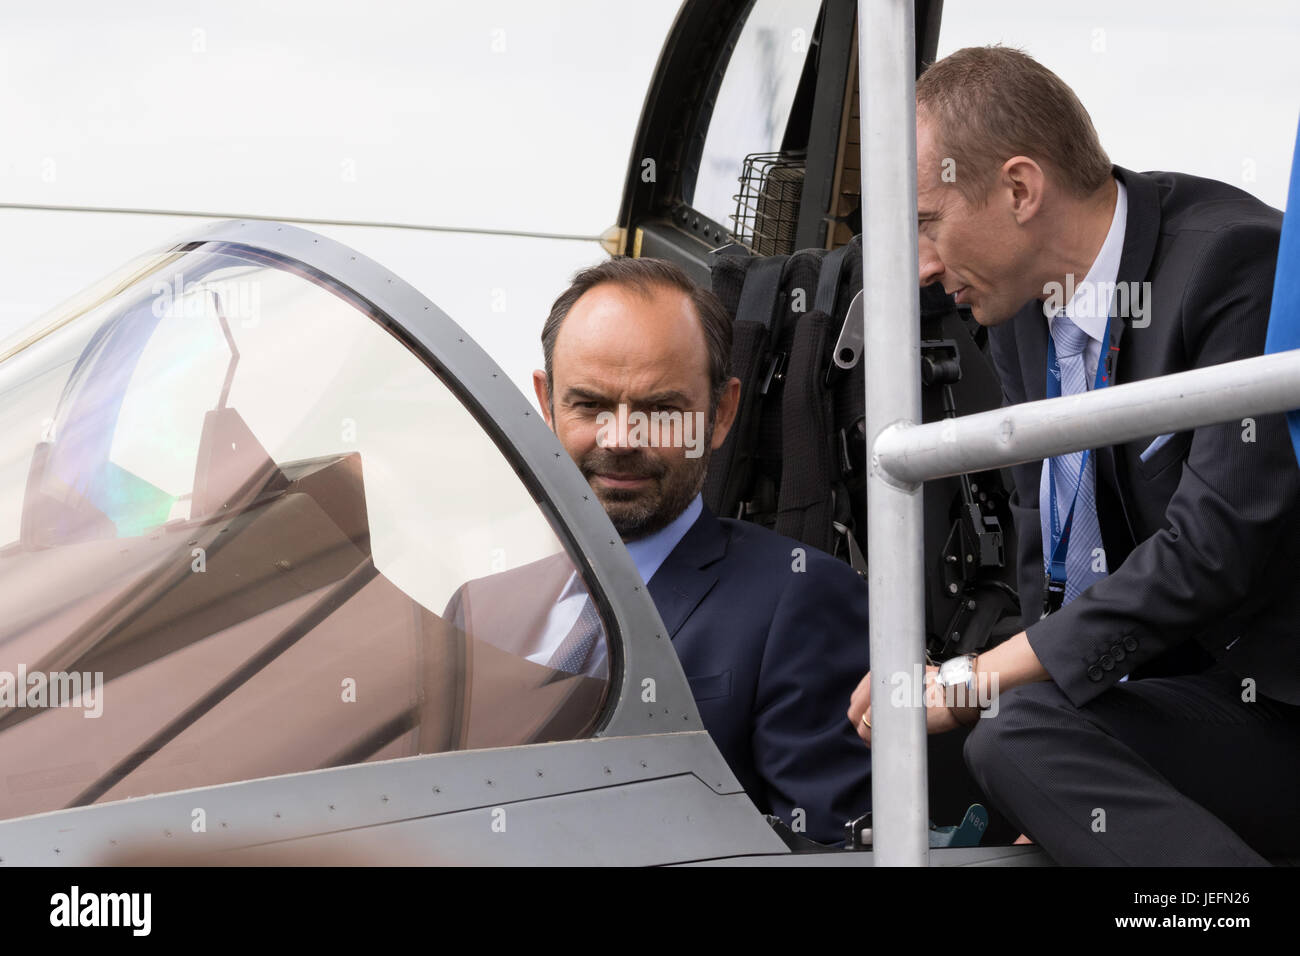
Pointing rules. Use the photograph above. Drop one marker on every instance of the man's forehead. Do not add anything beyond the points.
(628, 308)
(587, 380)
(591, 385)
(618, 337)
(929, 165)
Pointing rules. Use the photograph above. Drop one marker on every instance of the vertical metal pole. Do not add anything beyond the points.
(892, 365)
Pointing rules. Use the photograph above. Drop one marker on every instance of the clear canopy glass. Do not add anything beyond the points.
(246, 531)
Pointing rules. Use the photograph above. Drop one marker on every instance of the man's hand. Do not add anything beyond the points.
(1008, 665)
(939, 717)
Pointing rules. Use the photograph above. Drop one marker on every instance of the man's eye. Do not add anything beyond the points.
(586, 405)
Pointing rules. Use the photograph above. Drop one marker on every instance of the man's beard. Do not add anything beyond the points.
(639, 512)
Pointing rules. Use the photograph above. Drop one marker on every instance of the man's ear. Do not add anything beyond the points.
(728, 405)
(1021, 182)
(543, 396)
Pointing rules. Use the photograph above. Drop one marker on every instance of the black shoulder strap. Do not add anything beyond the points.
(731, 468)
(804, 510)
(762, 291)
(832, 277)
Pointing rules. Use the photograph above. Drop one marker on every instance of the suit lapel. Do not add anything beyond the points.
(687, 574)
(1031, 345)
(1141, 229)
(1140, 233)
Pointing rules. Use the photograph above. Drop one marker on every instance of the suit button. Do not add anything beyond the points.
(1108, 662)
(1094, 673)
(1130, 643)
(1117, 652)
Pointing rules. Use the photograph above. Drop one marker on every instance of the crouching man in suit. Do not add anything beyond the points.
(1150, 713)
(771, 634)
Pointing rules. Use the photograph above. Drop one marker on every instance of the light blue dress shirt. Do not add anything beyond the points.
(1089, 309)
(647, 553)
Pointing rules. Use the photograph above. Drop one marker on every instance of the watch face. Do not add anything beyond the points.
(955, 671)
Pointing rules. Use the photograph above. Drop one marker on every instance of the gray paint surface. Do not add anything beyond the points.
(641, 800)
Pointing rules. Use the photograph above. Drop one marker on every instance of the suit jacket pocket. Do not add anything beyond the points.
(714, 685)
(1171, 452)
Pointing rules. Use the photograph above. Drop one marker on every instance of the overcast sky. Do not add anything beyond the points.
(501, 115)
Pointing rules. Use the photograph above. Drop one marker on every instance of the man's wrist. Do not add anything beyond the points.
(958, 711)
(1010, 664)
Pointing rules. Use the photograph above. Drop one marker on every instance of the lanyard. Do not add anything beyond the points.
(1054, 583)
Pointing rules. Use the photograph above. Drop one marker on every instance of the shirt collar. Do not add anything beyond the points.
(650, 552)
(1089, 307)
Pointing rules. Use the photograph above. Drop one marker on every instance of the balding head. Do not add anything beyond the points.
(635, 340)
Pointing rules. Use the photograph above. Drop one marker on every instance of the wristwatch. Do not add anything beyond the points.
(959, 670)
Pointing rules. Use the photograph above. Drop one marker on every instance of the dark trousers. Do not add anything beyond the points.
(1165, 771)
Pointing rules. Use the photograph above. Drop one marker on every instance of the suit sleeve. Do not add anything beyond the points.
(1226, 514)
(806, 751)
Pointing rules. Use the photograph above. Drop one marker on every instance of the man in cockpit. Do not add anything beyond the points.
(772, 634)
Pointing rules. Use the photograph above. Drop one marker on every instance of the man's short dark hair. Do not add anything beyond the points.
(644, 276)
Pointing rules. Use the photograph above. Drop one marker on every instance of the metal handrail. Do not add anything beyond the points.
(1033, 431)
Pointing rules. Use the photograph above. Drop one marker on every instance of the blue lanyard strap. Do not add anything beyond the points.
(1061, 535)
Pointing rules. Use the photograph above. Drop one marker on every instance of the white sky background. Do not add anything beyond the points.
(501, 115)
(490, 115)
(1195, 86)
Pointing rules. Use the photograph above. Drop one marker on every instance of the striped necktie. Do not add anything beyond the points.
(1085, 560)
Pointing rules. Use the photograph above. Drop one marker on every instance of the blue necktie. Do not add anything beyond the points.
(571, 656)
(1084, 547)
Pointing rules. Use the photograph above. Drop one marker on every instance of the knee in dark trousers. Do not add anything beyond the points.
(1023, 714)
(1076, 782)
(1003, 748)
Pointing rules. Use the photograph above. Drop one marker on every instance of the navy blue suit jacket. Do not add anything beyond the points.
(772, 635)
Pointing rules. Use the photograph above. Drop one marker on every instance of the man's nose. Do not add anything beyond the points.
(929, 263)
(617, 434)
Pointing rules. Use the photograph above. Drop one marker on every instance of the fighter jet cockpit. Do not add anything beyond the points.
(246, 530)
